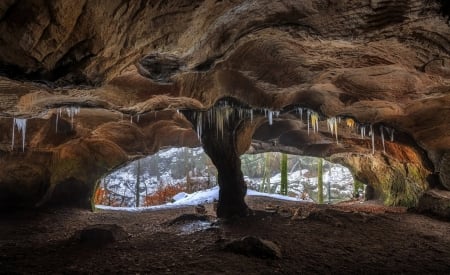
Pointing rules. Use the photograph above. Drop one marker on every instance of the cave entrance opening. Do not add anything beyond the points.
(184, 175)
(157, 179)
(263, 172)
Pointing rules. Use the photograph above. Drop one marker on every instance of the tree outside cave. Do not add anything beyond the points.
(156, 179)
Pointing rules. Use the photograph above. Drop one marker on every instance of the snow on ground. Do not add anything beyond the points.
(184, 199)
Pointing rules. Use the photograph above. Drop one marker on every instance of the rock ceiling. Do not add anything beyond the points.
(103, 82)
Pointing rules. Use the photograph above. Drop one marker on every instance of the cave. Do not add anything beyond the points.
(87, 87)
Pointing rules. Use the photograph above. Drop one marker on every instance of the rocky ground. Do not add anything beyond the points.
(350, 237)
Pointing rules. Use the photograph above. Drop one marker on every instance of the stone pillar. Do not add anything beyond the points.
(225, 136)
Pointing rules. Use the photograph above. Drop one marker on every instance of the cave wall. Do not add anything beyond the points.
(381, 63)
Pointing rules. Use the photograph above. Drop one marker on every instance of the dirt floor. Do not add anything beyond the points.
(352, 238)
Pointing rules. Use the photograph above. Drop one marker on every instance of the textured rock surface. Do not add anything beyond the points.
(385, 63)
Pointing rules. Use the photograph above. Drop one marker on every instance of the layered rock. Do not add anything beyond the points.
(130, 66)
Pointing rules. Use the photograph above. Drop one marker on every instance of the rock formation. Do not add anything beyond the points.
(103, 82)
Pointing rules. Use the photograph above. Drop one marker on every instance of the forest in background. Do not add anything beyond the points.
(155, 179)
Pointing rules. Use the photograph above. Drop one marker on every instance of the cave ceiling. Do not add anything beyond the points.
(107, 81)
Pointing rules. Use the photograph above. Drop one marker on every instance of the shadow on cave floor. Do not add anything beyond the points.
(344, 238)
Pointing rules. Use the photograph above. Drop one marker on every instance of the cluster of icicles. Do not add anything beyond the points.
(71, 111)
(21, 123)
(219, 116)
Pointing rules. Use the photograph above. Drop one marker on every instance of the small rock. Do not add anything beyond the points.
(254, 247)
(101, 234)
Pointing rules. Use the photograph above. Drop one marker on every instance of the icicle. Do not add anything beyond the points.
(382, 138)
(332, 126)
(336, 129)
(58, 114)
(13, 126)
(362, 130)
(350, 123)
(372, 134)
(392, 135)
(270, 117)
(71, 112)
(307, 118)
(21, 124)
(199, 125)
(131, 119)
(251, 115)
(315, 121)
(139, 116)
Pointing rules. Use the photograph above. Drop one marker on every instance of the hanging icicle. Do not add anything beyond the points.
(362, 130)
(13, 126)
(21, 124)
(315, 121)
(72, 111)
(307, 119)
(199, 125)
(350, 123)
(372, 134)
(382, 137)
(131, 119)
(270, 113)
(332, 127)
(139, 116)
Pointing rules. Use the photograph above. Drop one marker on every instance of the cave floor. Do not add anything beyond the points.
(346, 238)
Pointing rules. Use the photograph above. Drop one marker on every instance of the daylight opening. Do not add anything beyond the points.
(187, 176)
(264, 173)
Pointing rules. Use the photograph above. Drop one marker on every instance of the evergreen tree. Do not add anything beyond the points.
(284, 176)
(320, 181)
(138, 177)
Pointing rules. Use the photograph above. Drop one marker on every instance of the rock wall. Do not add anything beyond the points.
(380, 63)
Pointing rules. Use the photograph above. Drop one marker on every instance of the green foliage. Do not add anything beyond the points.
(284, 175)
(403, 185)
(357, 187)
